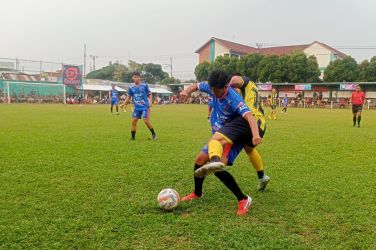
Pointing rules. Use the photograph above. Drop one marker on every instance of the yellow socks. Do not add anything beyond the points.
(215, 149)
(256, 160)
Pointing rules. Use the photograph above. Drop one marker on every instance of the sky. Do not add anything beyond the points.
(157, 30)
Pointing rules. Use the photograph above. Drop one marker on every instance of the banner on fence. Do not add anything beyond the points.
(72, 75)
(265, 87)
(303, 87)
(347, 86)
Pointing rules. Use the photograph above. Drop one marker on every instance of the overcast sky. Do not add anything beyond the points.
(155, 30)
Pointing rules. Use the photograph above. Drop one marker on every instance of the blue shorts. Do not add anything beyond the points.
(141, 114)
(114, 101)
(230, 151)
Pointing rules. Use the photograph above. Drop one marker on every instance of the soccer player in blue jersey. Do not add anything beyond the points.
(142, 100)
(114, 95)
(228, 158)
(236, 126)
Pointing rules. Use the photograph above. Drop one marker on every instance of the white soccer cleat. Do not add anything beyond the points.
(263, 182)
(211, 167)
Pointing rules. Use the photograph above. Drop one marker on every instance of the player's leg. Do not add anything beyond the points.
(112, 105)
(229, 181)
(232, 132)
(359, 115)
(200, 160)
(215, 152)
(117, 107)
(257, 163)
(135, 117)
(354, 111)
(146, 116)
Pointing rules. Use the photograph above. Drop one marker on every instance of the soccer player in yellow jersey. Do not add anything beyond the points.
(249, 92)
(273, 102)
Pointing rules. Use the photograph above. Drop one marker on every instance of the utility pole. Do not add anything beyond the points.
(171, 66)
(85, 60)
(93, 57)
(259, 47)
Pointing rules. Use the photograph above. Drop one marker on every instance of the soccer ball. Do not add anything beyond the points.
(168, 199)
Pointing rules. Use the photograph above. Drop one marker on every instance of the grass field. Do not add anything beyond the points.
(70, 178)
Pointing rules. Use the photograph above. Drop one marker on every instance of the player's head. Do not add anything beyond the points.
(357, 88)
(218, 81)
(136, 77)
(274, 90)
(113, 86)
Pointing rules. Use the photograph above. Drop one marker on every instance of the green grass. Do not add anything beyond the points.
(70, 178)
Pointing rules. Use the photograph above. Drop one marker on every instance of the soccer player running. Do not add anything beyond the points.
(357, 99)
(142, 99)
(235, 123)
(285, 102)
(114, 94)
(273, 99)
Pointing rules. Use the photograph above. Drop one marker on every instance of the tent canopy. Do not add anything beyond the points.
(160, 91)
(101, 87)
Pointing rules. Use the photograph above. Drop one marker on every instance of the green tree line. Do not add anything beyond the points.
(150, 72)
(296, 67)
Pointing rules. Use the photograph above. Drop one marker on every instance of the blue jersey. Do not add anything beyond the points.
(114, 94)
(285, 100)
(233, 151)
(225, 108)
(139, 94)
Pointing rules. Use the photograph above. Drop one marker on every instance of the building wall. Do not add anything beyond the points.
(324, 56)
(220, 50)
(204, 55)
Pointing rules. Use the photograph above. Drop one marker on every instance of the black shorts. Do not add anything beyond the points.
(273, 106)
(239, 131)
(357, 108)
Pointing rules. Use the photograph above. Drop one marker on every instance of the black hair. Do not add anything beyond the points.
(237, 74)
(218, 79)
(135, 73)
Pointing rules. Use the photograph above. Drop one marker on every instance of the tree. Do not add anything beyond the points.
(372, 70)
(341, 70)
(169, 80)
(282, 72)
(105, 73)
(150, 72)
(249, 66)
(363, 71)
(228, 64)
(313, 71)
(202, 71)
(298, 65)
(268, 68)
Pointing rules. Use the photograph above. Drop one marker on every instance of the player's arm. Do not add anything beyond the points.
(150, 96)
(125, 104)
(186, 92)
(237, 81)
(254, 128)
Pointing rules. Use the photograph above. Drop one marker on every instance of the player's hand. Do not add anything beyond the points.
(183, 96)
(256, 140)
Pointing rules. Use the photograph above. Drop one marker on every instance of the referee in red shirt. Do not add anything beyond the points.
(357, 99)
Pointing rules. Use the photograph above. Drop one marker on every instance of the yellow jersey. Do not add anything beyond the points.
(250, 94)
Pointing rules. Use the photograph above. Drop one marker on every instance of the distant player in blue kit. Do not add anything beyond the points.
(142, 100)
(114, 95)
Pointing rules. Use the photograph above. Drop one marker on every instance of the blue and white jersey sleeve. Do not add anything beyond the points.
(147, 89)
(204, 87)
(130, 91)
(237, 103)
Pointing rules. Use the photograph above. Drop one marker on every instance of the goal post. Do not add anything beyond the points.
(33, 92)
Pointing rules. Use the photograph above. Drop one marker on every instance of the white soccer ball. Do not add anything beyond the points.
(168, 199)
